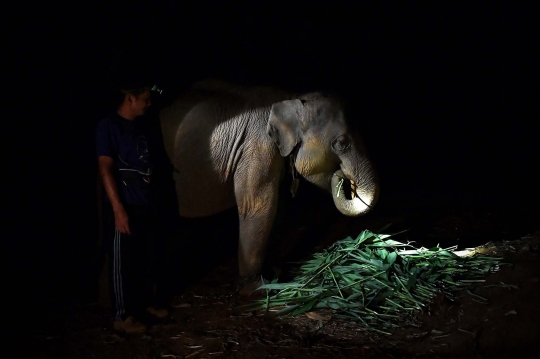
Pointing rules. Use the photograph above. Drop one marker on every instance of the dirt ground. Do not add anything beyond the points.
(204, 325)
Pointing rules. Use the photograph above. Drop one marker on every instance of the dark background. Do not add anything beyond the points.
(440, 92)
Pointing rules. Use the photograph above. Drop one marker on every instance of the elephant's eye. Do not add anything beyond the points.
(341, 144)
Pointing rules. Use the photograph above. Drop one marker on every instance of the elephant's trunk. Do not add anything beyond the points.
(354, 198)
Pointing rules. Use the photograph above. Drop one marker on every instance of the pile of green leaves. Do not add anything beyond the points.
(375, 280)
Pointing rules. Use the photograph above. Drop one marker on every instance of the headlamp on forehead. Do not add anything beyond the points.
(157, 89)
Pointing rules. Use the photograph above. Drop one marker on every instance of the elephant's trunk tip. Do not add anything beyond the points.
(350, 197)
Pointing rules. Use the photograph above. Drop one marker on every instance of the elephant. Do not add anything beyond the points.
(233, 145)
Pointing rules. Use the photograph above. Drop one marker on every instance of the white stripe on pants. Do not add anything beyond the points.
(117, 276)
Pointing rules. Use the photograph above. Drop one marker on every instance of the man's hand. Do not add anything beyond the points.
(121, 221)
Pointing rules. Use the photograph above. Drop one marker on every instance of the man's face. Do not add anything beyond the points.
(141, 103)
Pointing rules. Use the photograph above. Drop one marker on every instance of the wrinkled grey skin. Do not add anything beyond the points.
(229, 146)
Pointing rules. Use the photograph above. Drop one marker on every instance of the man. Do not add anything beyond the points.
(125, 167)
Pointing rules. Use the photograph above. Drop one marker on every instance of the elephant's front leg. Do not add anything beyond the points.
(257, 206)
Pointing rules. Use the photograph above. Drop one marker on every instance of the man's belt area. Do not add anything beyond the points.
(131, 177)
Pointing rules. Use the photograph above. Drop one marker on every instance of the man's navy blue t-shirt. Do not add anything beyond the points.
(127, 143)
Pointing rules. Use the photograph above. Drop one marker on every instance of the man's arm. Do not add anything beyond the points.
(106, 167)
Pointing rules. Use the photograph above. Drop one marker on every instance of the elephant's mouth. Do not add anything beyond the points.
(349, 198)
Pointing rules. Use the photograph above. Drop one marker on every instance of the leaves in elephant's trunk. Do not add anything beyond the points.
(348, 187)
(339, 185)
(374, 280)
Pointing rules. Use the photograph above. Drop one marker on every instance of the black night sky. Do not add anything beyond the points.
(439, 91)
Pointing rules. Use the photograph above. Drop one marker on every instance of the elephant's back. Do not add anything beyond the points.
(209, 103)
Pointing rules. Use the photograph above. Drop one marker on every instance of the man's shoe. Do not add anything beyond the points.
(129, 326)
(160, 313)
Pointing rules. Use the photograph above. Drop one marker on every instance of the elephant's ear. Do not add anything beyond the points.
(284, 125)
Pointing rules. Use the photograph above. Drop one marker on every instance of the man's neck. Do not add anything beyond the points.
(126, 113)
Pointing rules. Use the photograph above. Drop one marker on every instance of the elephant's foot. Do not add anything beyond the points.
(247, 293)
(247, 286)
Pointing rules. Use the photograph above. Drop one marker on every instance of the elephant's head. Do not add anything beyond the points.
(328, 153)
